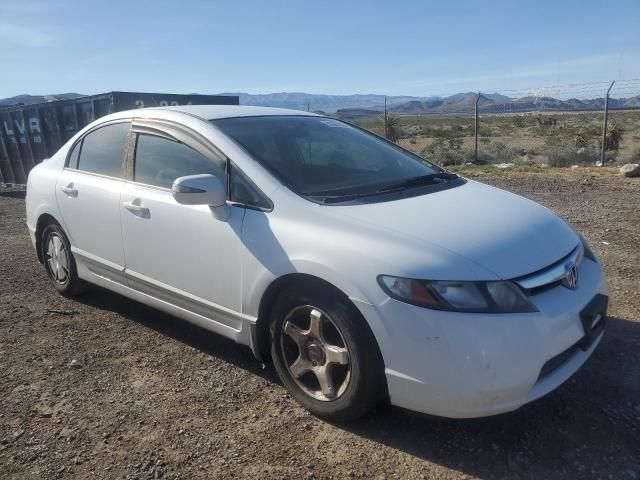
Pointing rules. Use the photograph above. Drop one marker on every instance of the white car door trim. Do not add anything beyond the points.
(97, 265)
(214, 312)
(242, 335)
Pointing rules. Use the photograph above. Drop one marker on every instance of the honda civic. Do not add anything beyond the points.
(365, 273)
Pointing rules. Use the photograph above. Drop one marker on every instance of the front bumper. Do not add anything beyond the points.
(471, 365)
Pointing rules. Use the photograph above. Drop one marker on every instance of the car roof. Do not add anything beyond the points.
(214, 112)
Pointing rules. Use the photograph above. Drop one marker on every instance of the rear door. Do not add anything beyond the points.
(88, 195)
(178, 253)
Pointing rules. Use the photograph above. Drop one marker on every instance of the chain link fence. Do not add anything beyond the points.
(555, 126)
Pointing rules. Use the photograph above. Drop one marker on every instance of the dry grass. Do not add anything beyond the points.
(525, 170)
(534, 138)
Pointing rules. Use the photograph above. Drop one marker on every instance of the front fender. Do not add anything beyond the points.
(262, 278)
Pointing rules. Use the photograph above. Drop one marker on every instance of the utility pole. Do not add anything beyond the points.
(604, 123)
(475, 124)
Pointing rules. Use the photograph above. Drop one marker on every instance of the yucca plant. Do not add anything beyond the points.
(581, 141)
(613, 137)
(391, 126)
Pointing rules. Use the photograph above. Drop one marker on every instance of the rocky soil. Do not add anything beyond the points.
(101, 387)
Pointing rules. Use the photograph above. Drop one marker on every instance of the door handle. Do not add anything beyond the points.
(136, 209)
(69, 190)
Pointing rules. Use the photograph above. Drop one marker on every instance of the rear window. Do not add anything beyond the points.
(102, 150)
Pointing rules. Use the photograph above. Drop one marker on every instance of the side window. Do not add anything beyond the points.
(159, 161)
(243, 191)
(73, 156)
(102, 150)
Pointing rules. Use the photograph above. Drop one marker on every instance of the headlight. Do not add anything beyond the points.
(480, 297)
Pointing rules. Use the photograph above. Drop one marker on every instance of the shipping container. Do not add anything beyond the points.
(31, 133)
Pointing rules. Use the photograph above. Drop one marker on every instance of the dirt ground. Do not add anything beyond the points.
(153, 397)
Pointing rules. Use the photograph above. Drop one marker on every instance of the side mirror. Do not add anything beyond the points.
(202, 190)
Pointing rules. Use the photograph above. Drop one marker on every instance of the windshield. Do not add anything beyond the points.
(322, 156)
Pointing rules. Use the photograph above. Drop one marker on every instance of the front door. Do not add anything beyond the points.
(178, 253)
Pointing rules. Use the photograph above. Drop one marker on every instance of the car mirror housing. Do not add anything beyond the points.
(199, 190)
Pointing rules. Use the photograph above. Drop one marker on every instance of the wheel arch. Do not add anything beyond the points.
(270, 295)
(43, 220)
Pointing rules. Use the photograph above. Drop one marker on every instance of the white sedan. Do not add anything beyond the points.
(364, 272)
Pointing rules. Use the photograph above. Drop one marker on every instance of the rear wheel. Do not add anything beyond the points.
(59, 262)
(325, 353)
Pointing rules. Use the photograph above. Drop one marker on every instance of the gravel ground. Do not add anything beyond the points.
(149, 396)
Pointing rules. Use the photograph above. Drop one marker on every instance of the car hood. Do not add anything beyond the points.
(502, 232)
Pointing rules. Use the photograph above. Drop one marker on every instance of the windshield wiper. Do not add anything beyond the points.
(389, 187)
(419, 180)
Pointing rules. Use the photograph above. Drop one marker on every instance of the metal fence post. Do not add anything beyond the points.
(475, 123)
(604, 124)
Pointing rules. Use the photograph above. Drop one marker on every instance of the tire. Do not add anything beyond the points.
(59, 262)
(310, 360)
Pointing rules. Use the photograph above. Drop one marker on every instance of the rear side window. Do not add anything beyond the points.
(159, 161)
(73, 156)
(102, 150)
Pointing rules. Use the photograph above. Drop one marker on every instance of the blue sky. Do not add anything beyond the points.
(337, 47)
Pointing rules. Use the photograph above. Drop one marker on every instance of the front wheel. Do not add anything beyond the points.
(325, 354)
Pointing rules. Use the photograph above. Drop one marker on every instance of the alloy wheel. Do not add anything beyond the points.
(315, 353)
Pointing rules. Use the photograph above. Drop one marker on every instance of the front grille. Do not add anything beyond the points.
(550, 276)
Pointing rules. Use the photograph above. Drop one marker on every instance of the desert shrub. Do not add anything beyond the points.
(553, 141)
(484, 131)
(569, 157)
(541, 130)
(520, 122)
(635, 156)
(447, 151)
(446, 133)
(613, 137)
(499, 152)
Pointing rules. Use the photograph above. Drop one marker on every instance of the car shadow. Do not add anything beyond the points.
(196, 337)
(588, 428)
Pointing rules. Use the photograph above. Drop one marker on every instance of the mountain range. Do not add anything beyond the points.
(31, 99)
(363, 105)
(333, 103)
(464, 103)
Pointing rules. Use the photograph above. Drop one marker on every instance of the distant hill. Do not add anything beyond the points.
(350, 107)
(333, 103)
(31, 99)
(363, 105)
(496, 103)
(326, 103)
(355, 113)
